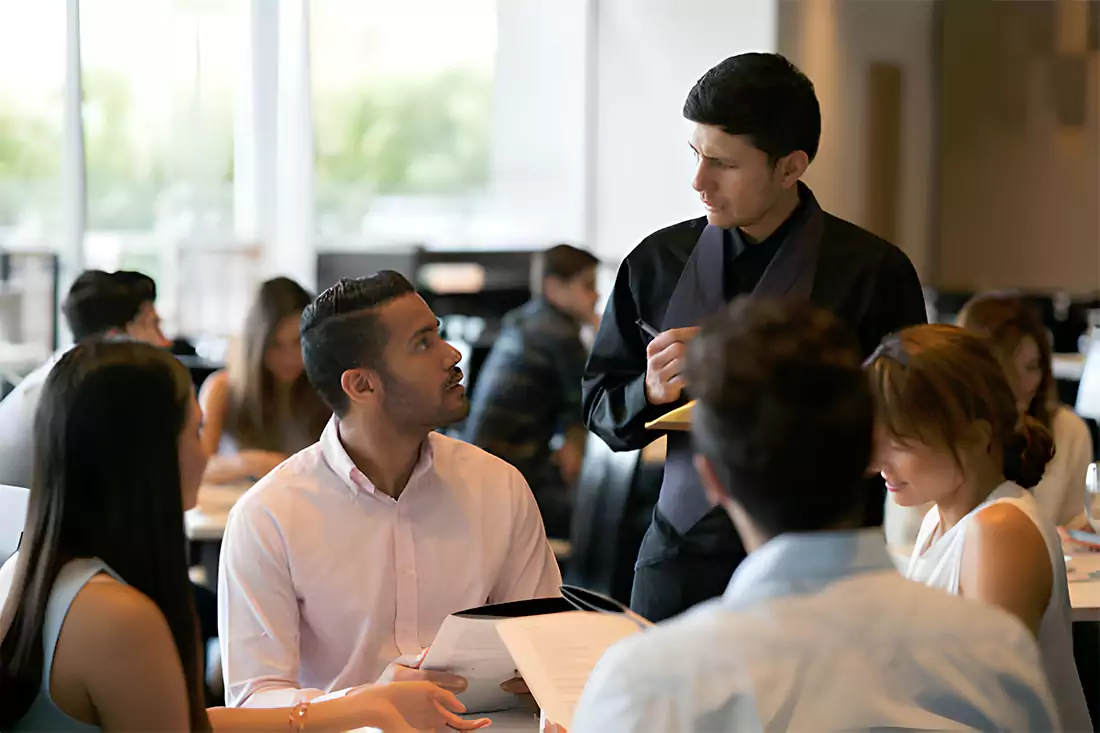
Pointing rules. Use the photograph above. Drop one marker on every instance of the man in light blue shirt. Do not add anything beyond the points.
(817, 630)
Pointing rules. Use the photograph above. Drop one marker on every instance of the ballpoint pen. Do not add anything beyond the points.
(648, 329)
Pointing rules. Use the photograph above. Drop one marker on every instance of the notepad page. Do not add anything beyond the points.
(555, 654)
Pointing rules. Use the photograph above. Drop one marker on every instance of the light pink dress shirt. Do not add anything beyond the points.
(324, 581)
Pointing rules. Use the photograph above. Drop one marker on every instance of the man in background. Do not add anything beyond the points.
(98, 304)
(528, 393)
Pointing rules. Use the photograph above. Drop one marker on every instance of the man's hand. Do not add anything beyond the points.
(665, 363)
(425, 706)
(396, 672)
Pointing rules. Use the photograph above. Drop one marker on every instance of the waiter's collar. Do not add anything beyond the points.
(773, 240)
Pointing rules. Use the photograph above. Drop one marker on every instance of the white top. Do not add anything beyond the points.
(324, 580)
(17, 412)
(1061, 493)
(819, 632)
(940, 564)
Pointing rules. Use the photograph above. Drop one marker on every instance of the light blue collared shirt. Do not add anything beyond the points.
(817, 632)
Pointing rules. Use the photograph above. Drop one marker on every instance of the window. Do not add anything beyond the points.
(32, 57)
(158, 80)
(402, 100)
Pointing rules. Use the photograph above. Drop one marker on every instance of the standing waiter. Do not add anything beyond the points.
(757, 126)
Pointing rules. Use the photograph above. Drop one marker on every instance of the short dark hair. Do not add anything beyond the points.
(98, 302)
(783, 413)
(565, 262)
(340, 331)
(763, 97)
(144, 287)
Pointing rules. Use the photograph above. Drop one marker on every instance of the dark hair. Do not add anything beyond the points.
(340, 331)
(141, 285)
(253, 416)
(931, 383)
(98, 302)
(763, 97)
(565, 262)
(783, 412)
(106, 485)
(1008, 319)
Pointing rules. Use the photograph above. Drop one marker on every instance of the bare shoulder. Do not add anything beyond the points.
(215, 389)
(107, 612)
(1005, 538)
(1003, 522)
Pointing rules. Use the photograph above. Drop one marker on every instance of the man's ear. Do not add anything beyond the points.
(716, 493)
(361, 385)
(792, 167)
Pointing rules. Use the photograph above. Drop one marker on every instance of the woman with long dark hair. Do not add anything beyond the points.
(98, 629)
(262, 409)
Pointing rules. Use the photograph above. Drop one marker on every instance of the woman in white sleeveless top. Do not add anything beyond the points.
(97, 630)
(950, 433)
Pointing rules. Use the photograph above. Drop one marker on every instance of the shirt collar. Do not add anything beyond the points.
(801, 562)
(337, 458)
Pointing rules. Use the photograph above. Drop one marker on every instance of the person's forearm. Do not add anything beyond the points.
(618, 412)
(341, 714)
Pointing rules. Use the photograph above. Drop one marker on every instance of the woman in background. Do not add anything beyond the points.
(262, 409)
(98, 630)
(949, 432)
(1023, 346)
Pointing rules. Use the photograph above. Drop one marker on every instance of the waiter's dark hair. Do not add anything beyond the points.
(763, 97)
(783, 413)
(341, 331)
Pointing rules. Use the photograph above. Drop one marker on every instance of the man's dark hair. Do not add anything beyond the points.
(98, 302)
(783, 413)
(341, 331)
(142, 286)
(565, 262)
(763, 97)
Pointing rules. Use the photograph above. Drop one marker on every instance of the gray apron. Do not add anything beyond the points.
(700, 293)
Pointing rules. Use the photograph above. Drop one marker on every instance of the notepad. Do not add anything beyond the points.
(678, 419)
(556, 654)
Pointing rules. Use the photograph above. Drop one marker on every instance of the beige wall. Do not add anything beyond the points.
(1020, 192)
(835, 42)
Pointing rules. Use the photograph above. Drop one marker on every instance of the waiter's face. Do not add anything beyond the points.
(736, 182)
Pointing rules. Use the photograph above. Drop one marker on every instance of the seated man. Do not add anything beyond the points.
(529, 389)
(339, 567)
(817, 630)
(98, 303)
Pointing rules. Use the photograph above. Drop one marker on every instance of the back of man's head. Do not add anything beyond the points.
(141, 285)
(99, 302)
(342, 331)
(763, 97)
(783, 413)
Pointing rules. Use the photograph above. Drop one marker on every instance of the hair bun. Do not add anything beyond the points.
(1028, 452)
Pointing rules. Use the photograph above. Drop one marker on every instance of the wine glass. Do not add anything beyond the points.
(1092, 496)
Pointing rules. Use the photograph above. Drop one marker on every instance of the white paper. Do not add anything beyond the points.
(472, 648)
(556, 653)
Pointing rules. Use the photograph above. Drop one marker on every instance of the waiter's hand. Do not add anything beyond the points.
(665, 364)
